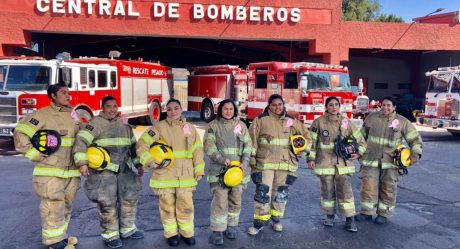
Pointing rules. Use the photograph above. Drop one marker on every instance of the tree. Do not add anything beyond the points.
(366, 10)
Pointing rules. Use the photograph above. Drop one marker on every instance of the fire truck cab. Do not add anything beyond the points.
(140, 88)
(304, 87)
(442, 100)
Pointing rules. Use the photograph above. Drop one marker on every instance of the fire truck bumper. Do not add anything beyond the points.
(438, 122)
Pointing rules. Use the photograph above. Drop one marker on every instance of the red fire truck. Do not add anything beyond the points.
(140, 88)
(304, 87)
(442, 100)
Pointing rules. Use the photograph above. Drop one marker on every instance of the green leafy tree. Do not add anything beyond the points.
(366, 10)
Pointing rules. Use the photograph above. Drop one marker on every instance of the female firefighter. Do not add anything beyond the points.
(227, 142)
(336, 143)
(384, 132)
(173, 150)
(274, 161)
(46, 137)
(104, 151)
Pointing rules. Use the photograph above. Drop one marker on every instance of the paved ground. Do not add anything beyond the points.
(427, 215)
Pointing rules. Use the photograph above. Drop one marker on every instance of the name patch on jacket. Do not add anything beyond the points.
(34, 121)
(151, 133)
(326, 138)
(89, 127)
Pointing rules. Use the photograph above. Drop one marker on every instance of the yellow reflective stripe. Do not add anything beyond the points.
(86, 135)
(381, 141)
(253, 152)
(346, 170)
(113, 167)
(312, 155)
(136, 160)
(196, 145)
(212, 179)
(114, 141)
(189, 226)
(264, 217)
(361, 149)
(370, 163)
(233, 215)
(170, 227)
(313, 135)
(327, 204)
(231, 151)
(276, 213)
(56, 172)
(276, 166)
(126, 230)
(26, 129)
(346, 206)
(274, 141)
(187, 183)
(326, 146)
(246, 179)
(411, 136)
(367, 205)
(211, 150)
(219, 219)
(67, 142)
(80, 156)
(147, 138)
(417, 149)
(247, 150)
(182, 154)
(357, 134)
(32, 153)
(383, 206)
(108, 235)
(199, 167)
(388, 166)
(246, 138)
(324, 171)
(56, 232)
(145, 157)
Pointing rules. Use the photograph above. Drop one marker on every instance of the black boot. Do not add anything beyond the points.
(189, 241)
(231, 232)
(380, 220)
(173, 241)
(350, 224)
(59, 245)
(363, 217)
(116, 243)
(329, 220)
(217, 238)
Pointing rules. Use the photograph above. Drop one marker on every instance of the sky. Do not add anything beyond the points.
(408, 9)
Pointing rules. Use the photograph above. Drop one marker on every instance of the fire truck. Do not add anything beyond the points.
(442, 100)
(140, 88)
(303, 85)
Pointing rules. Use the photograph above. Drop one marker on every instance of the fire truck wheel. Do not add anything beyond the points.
(155, 112)
(207, 112)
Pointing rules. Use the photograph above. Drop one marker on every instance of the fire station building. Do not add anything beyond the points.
(391, 58)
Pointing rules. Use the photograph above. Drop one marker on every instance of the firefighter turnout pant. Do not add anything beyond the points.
(378, 190)
(56, 197)
(225, 206)
(116, 196)
(176, 211)
(271, 194)
(337, 187)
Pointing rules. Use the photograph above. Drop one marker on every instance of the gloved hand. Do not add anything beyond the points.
(311, 164)
(253, 162)
(153, 165)
(198, 178)
(414, 158)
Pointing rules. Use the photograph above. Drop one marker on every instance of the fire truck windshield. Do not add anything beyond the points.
(327, 81)
(24, 78)
(439, 82)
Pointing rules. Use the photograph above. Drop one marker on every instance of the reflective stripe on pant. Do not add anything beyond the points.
(176, 211)
(273, 179)
(57, 195)
(116, 196)
(337, 187)
(378, 190)
(225, 206)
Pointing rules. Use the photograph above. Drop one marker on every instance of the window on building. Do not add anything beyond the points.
(404, 86)
(290, 81)
(380, 86)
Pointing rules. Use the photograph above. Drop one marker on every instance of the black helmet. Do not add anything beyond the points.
(46, 141)
(345, 147)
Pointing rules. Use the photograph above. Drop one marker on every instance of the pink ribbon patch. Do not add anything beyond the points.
(344, 123)
(74, 116)
(394, 124)
(289, 123)
(124, 120)
(237, 129)
(51, 141)
(186, 129)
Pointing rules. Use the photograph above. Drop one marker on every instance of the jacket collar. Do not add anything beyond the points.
(333, 117)
(390, 116)
(179, 121)
(104, 116)
(61, 108)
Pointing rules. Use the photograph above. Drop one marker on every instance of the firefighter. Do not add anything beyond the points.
(174, 184)
(384, 131)
(115, 188)
(333, 170)
(274, 162)
(55, 177)
(226, 140)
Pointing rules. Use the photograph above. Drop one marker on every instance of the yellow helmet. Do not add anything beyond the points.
(98, 157)
(298, 143)
(232, 176)
(162, 154)
(402, 158)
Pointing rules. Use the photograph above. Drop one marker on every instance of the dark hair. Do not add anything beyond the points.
(329, 99)
(53, 89)
(273, 97)
(391, 99)
(175, 101)
(221, 106)
(107, 98)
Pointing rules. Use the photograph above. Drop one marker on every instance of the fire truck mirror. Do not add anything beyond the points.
(274, 86)
(304, 82)
(66, 75)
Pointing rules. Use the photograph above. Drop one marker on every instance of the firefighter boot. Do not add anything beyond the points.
(217, 238)
(59, 245)
(329, 220)
(380, 220)
(173, 241)
(276, 224)
(231, 232)
(350, 224)
(139, 234)
(363, 217)
(116, 243)
(255, 229)
(189, 241)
